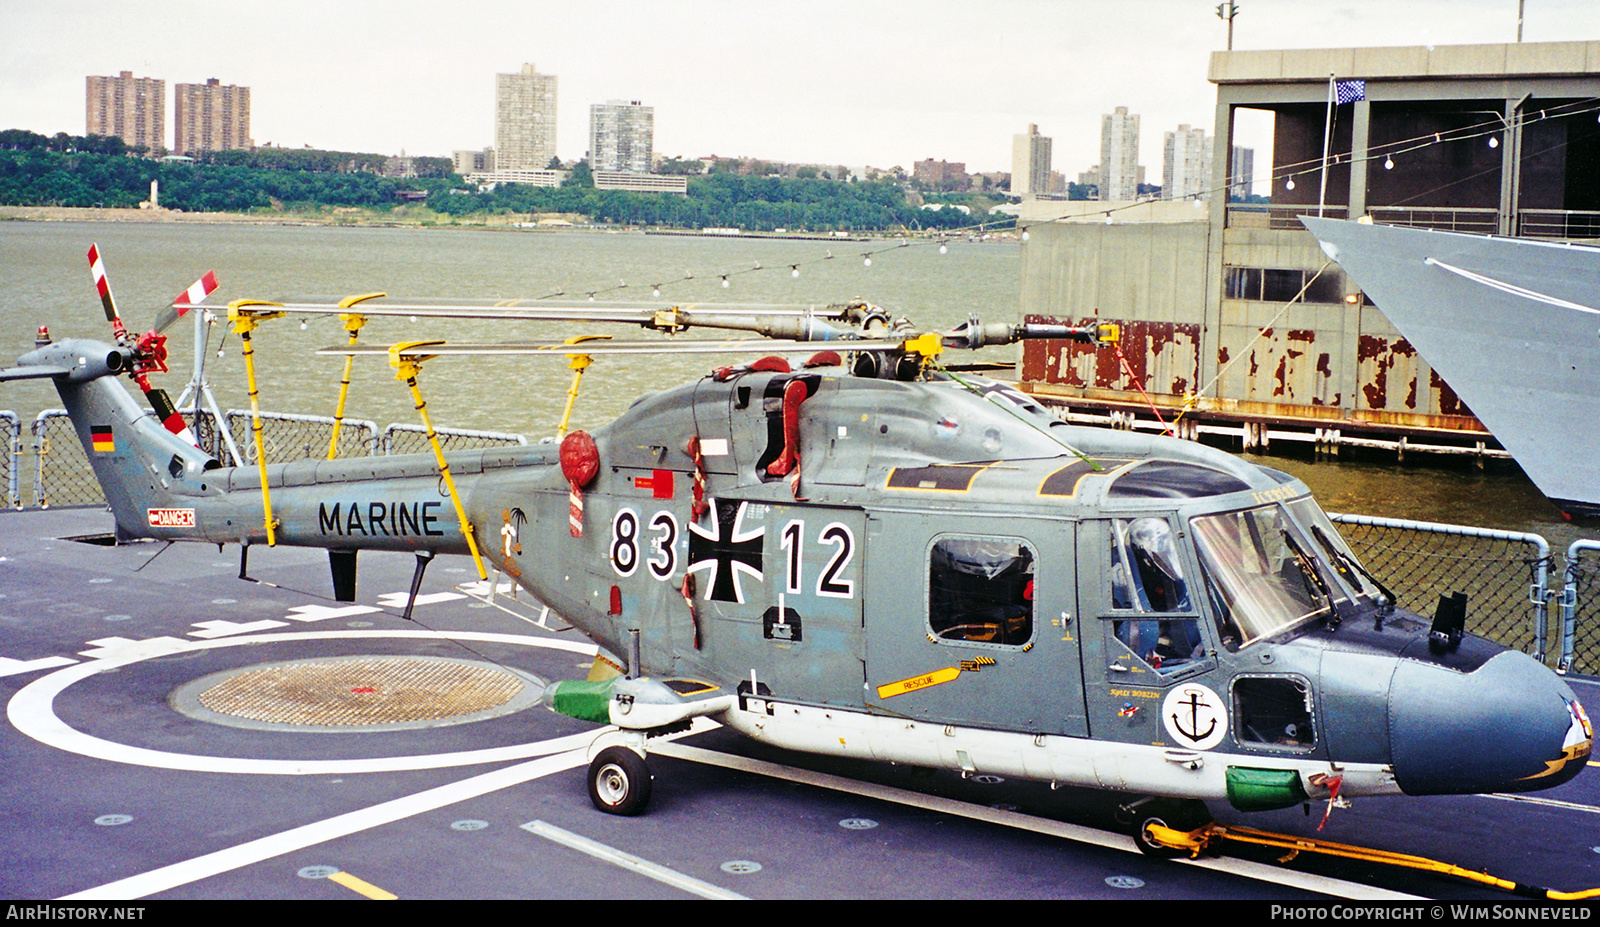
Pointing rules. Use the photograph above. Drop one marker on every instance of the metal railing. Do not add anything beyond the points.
(1505, 574)
(1479, 220)
(62, 475)
(413, 439)
(287, 436)
(1280, 218)
(11, 461)
(1580, 610)
(1558, 223)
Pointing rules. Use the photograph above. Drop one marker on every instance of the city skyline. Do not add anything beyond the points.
(785, 82)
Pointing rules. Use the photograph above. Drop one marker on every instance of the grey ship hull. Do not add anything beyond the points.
(1510, 323)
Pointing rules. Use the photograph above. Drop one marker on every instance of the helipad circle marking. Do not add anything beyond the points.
(988, 779)
(32, 712)
(112, 820)
(469, 825)
(1125, 882)
(858, 824)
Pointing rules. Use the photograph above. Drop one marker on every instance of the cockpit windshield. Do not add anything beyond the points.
(1264, 573)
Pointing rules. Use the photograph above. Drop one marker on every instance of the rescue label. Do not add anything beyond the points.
(919, 682)
(171, 518)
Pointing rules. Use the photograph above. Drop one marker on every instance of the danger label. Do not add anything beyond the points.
(171, 518)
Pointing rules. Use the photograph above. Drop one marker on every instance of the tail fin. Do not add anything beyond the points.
(144, 469)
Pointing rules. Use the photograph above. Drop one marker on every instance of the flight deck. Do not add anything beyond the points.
(177, 732)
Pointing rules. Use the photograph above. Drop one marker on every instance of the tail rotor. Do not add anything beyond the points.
(150, 349)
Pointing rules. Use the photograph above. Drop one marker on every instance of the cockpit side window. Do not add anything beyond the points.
(1148, 577)
(1260, 578)
(980, 590)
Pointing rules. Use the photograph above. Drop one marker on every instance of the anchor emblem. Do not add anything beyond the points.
(1195, 705)
(1194, 716)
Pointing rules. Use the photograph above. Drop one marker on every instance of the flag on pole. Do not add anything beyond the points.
(1349, 91)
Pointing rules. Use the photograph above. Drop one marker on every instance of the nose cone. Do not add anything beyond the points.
(1510, 725)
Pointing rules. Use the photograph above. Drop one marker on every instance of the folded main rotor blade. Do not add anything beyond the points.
(562, 349)
(548, 310)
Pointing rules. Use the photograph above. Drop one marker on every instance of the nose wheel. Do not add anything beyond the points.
(1177, 814)
(619, 781)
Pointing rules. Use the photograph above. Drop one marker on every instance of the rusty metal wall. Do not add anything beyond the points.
(1182, 335)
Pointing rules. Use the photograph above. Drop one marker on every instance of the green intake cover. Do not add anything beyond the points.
(1263, 789)
(587, 701)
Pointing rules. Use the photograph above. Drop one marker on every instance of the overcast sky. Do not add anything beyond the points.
(857, 82)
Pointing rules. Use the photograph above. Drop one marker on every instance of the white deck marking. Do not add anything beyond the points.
(628, 861)
(32, 710)
(298, 838)
(1079, 834)
(1549, 802)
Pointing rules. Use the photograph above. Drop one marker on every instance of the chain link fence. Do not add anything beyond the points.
(62, 475)
(413, 439)
(11, 461)
(296, 437)
(1505, 575)
(1580, 609)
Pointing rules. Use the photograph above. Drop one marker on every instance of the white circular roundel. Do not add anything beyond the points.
(1194, 716)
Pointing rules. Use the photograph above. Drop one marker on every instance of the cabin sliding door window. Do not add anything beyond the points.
(980, 590)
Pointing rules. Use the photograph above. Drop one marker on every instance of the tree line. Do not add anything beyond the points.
(90, 171)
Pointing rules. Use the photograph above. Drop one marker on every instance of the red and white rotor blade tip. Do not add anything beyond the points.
(188, 299)
(97, 270)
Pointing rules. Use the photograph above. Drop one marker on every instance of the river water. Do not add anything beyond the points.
(44, 279)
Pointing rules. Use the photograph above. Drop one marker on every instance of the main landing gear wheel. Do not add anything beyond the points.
(619, 781)
(1185, 815)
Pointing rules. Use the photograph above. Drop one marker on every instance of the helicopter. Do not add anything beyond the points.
(864, 553)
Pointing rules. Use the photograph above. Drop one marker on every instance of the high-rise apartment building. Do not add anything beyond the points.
(621, 135)
(1119, 156)
(1241, 172)
(1030, 163)
(133, 109)
(524, 120)
(210, 117)
(1186, 164)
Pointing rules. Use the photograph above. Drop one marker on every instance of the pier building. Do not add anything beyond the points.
(1232, 311)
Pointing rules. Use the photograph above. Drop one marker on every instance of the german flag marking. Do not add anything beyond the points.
(101, 438)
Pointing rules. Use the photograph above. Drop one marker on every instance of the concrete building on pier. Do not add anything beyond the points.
(1236, 310)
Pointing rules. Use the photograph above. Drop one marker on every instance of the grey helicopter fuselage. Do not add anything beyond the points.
(955, 579)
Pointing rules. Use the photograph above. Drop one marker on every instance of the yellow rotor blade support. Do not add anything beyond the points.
(352, 323)
(245, 315)
(577, 363)
(407, 359)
